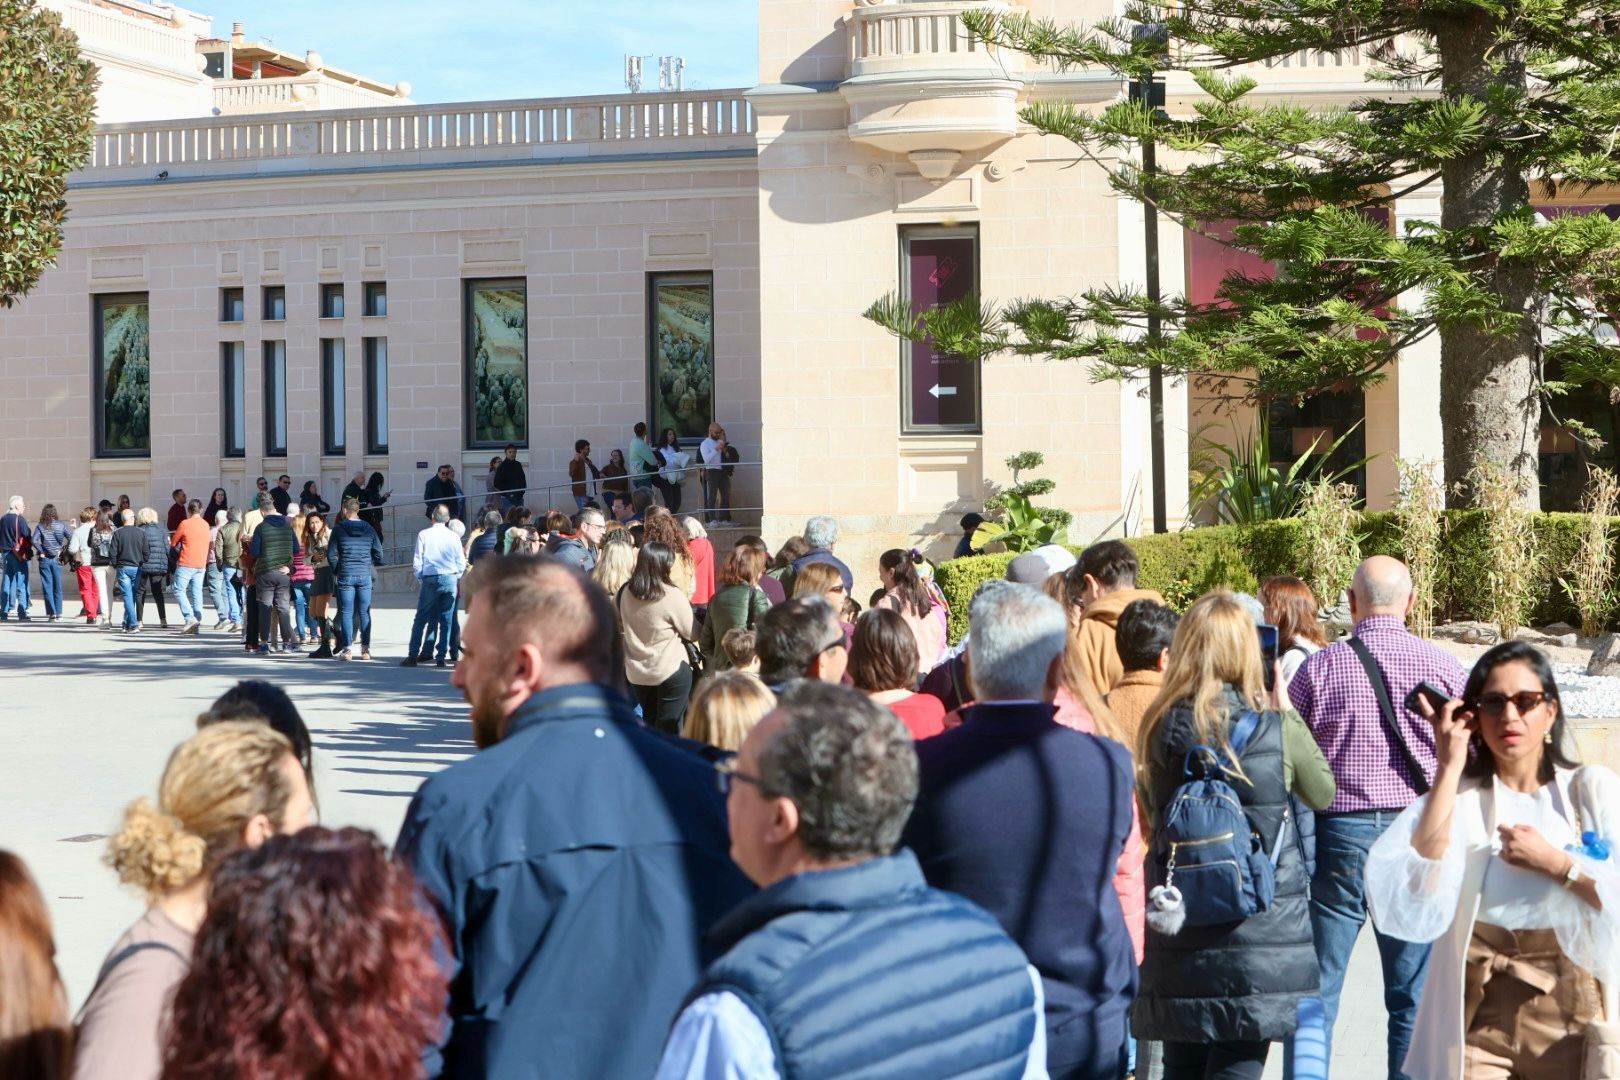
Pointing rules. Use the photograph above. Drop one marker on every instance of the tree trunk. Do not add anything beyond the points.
(1490, 401)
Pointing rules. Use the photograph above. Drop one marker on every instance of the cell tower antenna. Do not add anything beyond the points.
(632, 73)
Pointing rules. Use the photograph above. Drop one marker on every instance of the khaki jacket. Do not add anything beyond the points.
(1096, 633)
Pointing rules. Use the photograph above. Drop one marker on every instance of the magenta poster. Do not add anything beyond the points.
(944, 388)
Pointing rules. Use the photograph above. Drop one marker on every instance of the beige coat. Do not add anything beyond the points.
(653, 631)
(1097, 648)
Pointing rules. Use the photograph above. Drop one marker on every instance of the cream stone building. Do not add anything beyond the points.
(274, 266)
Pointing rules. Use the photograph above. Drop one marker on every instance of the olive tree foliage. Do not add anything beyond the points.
(47, 109)
(1489, 101)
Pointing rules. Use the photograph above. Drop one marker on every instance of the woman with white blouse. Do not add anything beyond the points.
(1505, 866)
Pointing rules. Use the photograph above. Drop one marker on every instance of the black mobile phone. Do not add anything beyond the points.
(1429, 692)
(1268, 652)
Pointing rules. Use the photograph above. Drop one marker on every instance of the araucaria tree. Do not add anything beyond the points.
(1490, 100)
(47, 108)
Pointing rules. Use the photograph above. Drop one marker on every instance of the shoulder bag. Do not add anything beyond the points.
(1386, 710)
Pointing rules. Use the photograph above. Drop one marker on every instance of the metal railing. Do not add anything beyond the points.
(402, 519)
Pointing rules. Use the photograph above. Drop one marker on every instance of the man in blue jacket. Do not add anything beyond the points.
(354, 549)
(577, 857)
(1027, 819)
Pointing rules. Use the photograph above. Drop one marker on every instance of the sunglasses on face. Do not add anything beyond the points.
(1524, 702)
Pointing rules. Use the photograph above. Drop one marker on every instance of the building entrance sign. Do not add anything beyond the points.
(123, 375)
(682, 346)
(942, 390)
(496, 322)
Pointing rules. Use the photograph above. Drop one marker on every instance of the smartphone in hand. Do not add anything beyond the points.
(1427, 691)
(1268, 652)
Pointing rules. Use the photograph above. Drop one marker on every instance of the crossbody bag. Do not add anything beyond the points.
(1386, 710)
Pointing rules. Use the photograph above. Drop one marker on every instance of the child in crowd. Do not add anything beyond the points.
(738, 645)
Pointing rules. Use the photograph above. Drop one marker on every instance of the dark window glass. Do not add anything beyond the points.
(333, 428)
(275, 302)
(940, 392)
(275, 399)
(376, 298)
(233, 404)
(230, 305)
(331, 301)
(376, 395)
(123, 366)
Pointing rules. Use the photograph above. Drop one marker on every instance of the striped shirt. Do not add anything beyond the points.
(1336, 699)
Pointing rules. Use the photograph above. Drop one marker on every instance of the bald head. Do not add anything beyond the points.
(1382, 586)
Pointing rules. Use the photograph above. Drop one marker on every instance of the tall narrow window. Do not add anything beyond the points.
(376, 298)
(332, 399)
(939, 391)
(275, 303)
(233, 403)
(680, 352)
(376, 395)
(123, 365)
(495, 364)
(275, 399)
(331, 301)
(230, 305)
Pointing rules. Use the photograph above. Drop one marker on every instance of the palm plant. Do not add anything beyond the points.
(1241, 485)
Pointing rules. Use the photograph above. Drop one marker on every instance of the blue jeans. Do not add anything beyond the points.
(222, 587)
(188, 587)
(300, 598)
(50, 583)
(435, 605)
(13, 586)
(129, 583)
(1339, 907)
(354, 606)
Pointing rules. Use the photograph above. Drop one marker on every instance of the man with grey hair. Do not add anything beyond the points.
(438, 564)
(800, 639)
(816, 801)
(821, 533)
(15, 550)
(1029, 819)
(1352, 695)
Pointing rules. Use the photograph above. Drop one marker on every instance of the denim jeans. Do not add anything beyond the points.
(238, 590)
(223, 592)
(13, 586)
(1339, 907)
(354, 606)
(300, 599)
(188, 587)
(435, 604)
(50, 584)
(129, 583)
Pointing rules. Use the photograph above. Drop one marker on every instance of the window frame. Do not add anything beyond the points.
(332, 291)
(469, 422)
(656, 278)
(229, 295)
(334, 397)
(233, 399)
(269, 293)
(905, 234)
(275, 402)
(98, 324)
(370, 292)
(375, 353)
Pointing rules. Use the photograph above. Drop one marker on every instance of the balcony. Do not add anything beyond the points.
(300, 92)
(550, 129)
(920, 84)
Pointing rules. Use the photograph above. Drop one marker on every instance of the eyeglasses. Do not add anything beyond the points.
(837, 642)
(839, 588)
(725, 774)
(1524, 702)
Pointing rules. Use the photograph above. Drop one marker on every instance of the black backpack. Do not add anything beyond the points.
(730, 456)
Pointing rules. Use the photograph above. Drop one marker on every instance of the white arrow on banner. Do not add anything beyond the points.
(938, 390)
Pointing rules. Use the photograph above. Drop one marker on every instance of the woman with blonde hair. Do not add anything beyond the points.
(824, 580)
(615, 562)
(36, 1039)
(1218, 995)
(702, 549)
(231, 785)
(725, 709)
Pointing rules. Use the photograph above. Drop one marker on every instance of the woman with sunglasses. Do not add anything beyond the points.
(1505, 865)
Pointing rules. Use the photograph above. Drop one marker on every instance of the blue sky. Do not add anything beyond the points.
(475, 50)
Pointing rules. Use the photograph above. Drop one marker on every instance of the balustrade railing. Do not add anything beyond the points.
(885, 36)
(112, 31)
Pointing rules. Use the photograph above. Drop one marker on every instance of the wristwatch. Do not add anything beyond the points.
(1572, 876)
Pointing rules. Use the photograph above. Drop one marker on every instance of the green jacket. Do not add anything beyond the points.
(230, 544)
(729, 610)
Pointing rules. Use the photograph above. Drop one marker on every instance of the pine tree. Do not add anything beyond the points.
(47, 108)
(1491, 99)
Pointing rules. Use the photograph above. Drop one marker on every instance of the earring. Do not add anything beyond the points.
(1547, 738)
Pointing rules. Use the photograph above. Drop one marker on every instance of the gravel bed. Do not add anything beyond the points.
(1587, 697)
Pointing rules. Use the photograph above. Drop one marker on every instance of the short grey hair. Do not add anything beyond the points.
(234, 514)
(593, 515)
(221, 517)
(1017, 632)
(127, 516)
(441, 514)
(14, 503)
(821, 531)
(849, 766)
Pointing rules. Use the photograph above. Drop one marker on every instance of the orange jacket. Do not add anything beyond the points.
(192, 536)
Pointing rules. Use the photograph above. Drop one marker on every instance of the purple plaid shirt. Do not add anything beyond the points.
(1332, 693)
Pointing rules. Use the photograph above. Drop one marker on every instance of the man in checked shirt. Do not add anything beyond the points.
(1333, 693)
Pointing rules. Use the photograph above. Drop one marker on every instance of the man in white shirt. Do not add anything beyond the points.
(806, 985)
(716, 484)
(438, 563)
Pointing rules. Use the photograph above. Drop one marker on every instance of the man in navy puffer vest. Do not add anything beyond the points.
(845, 962)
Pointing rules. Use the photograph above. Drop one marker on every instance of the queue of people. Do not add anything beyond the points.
(1102, 832)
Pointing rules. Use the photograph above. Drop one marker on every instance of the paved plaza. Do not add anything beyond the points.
(90, 718)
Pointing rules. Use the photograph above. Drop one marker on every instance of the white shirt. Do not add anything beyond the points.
(718, 1037)
(1514, 898)
(437, 552)
(710, 449)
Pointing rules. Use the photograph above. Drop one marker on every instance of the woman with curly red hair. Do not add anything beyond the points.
(316, 959)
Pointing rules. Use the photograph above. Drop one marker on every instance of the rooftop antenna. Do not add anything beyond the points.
(632, 73)
(671, 72)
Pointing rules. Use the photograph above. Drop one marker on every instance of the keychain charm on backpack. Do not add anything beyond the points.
(1164, 911)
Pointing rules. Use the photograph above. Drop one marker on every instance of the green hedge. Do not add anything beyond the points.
(1185, 565)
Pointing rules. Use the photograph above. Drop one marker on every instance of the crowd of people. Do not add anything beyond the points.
(724, 821)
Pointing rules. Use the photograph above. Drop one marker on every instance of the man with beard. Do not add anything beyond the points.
(577, 857)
